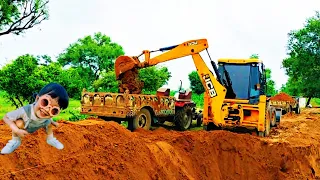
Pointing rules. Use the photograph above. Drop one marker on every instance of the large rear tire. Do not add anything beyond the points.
(183, 118)
(266, 132)
(210, 127)
(141, 120)
(267, 125)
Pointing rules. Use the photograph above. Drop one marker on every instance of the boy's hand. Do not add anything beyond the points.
(21, 133)
(55, 123)
(20, 123)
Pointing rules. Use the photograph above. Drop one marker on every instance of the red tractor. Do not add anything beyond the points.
(186, 110)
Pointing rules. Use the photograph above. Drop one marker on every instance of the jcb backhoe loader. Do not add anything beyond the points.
(235, 94)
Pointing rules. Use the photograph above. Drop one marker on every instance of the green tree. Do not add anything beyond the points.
(302, 64)
(107, 82)
(154, 77)
(195, 83)
(291, 87)
(271, 90)
(74, 80)
(94, 54)
(20, 79)
(28, 74)
(254, 56)
(18, 16)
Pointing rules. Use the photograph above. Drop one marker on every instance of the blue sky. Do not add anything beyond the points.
(234, 29)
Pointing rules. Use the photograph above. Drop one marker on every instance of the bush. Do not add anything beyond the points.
(76, 116)
(198, 99)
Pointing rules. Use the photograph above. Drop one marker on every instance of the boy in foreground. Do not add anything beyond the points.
(51, 99)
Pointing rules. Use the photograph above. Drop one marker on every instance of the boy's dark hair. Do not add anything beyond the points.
(56, 90)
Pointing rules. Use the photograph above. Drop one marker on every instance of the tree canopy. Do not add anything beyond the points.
(271, 86)
(18, 16)
(154, 77)
(254, 56)
(95, 53)
(20, 79)
(195, 83)
(302, 64)
(87, 63)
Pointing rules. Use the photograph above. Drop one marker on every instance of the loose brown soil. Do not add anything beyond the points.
(130, 81)
(126, 69)
(282, 97)
(96, 149)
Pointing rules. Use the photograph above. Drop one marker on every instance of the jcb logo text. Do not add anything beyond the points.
(209, 85)
(192, 43)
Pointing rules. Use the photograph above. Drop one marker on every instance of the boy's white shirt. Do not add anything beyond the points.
(20, 113)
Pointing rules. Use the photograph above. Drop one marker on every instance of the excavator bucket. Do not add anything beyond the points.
(124, 64)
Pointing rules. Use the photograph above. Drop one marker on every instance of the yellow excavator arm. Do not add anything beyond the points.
(125, 63)
(215, 92)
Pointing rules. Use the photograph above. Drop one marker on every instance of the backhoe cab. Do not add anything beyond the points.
(245, 104)
(245, 79)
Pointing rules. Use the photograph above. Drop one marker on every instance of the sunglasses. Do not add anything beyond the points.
(45, 102)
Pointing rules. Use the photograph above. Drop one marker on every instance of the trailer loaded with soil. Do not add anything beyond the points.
(284, 104)
(141, 110)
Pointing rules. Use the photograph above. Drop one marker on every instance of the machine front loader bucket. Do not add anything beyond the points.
(125, 63)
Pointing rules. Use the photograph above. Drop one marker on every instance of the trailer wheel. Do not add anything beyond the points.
(278, 116)
(183, 118)
(273, 117)
(297, 110)
(141, 120)
(199, 120)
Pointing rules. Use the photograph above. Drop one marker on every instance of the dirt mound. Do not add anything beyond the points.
(106, 150)
(282, 97)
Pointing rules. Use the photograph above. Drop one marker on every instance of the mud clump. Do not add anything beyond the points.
(130, 81)
(106, 150)
(282, 97)
(126, 70)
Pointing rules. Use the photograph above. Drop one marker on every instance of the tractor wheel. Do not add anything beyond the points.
(141, 120)
(210, 127)
(266, 132)
(183, 118)
(199, 120)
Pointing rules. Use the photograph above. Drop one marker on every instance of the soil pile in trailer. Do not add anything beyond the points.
(282, 97)
(97, 149)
